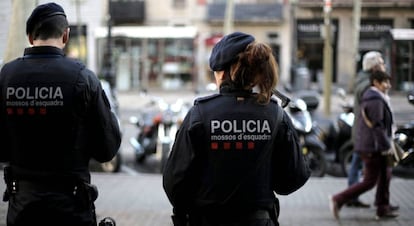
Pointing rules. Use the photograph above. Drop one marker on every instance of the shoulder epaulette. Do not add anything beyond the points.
(206, 98)
(275, 100)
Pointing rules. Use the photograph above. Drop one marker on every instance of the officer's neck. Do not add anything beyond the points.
(56, 42)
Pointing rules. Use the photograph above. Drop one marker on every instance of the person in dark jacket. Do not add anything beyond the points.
(236, 148)
(54, 117)
(371, 62)
(373, 143)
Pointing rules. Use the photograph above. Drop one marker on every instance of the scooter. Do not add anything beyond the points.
(312, 147)
(404, 138)
(337, 137)
(157, 127)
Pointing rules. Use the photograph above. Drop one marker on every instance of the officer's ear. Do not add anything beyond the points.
(219, 76)
(30, 37)
(66, 35)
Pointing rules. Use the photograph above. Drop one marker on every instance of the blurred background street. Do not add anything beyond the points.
(134, 196)
(141, 44)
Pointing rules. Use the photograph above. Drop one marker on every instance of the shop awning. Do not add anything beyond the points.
(402, 34)
(148, 32)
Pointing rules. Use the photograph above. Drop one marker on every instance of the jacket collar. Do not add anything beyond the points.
(227, 90)
(43, 51)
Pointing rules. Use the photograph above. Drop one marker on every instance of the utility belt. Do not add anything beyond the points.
(235, 216)
(81, 190)
(206, 218)
(37, 184)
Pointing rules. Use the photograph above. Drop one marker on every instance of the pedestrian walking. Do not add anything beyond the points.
(371, 62)
(373, 144)
(235, 148)
(54, 117)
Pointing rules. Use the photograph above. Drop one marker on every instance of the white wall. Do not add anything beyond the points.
(5, 11)
(92, 14)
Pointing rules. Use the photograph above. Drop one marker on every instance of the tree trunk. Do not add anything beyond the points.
(17, 39)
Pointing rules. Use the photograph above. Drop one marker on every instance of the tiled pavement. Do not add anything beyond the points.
(139, 200)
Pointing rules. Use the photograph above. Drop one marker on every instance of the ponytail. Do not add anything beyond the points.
(256, 66)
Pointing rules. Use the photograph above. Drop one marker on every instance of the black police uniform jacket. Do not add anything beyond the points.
(215, 163)
(54, 117)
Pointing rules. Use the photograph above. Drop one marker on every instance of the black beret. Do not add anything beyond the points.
(225, 52)
(43, 12)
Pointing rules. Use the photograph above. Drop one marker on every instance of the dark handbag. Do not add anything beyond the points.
(398, 153)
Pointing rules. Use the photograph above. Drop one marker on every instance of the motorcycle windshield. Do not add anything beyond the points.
(302, 121)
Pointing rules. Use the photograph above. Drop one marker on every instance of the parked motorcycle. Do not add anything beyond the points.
(404, 138)
(157, 126)
(336, 135)
(312, 147)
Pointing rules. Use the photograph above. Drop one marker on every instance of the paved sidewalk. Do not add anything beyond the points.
(139, 200)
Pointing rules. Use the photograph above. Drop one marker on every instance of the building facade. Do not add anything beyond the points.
(168, 44)
(380, 21)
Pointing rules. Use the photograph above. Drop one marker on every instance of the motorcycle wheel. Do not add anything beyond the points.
(316, 161)
(112, 166)
(346, 152)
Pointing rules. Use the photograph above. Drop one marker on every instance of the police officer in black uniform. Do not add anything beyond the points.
(54, 117)
(236, 148)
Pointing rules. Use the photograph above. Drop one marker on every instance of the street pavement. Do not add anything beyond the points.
(137, 198)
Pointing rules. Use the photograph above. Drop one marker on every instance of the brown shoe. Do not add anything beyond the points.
(334, 207)
(386, 215)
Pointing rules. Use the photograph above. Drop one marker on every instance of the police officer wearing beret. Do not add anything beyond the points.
(54, 117)
(237, 148)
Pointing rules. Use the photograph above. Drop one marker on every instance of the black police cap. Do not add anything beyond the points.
(41, 13)
(225, 52)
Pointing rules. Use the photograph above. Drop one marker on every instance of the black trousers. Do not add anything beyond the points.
(48, 208)
(256, 222)
(255, 218)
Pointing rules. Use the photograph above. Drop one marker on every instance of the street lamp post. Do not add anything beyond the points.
(355, 39)
(294, 32)
(228, 17)
(108, 70)
(327, 57)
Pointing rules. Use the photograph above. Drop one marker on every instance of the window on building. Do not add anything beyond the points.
(247, 1)
(179, 3)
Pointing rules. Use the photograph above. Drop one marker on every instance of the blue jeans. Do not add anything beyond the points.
(355, 170)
